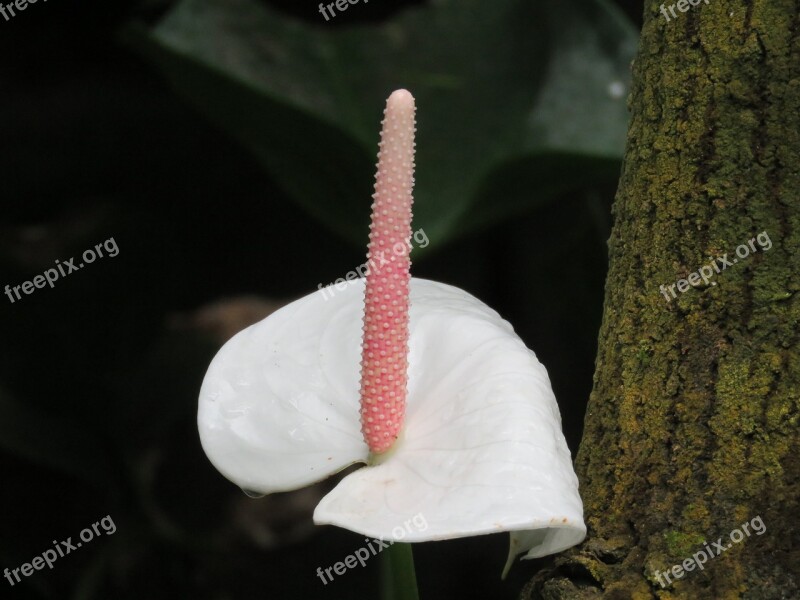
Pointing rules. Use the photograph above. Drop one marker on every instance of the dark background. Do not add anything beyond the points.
(95, 146)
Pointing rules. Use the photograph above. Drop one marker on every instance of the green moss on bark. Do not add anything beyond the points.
(692, 425)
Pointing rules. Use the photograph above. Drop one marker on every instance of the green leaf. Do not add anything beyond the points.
(508, 84)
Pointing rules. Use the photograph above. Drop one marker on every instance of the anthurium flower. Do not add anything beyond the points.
(454, 417)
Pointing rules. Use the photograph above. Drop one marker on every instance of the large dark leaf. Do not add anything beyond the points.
(535, 88)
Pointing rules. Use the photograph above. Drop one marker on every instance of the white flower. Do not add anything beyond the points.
(481, 450)
(459, 415)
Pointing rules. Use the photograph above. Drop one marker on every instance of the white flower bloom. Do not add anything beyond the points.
(481, 450)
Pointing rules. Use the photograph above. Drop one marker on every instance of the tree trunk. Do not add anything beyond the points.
(691, 432)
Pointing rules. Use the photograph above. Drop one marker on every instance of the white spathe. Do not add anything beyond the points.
(481, 451)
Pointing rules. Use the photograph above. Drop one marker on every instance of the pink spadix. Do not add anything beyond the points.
(481, 448)
(384, 358)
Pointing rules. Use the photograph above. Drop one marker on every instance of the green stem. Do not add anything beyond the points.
(398, 579)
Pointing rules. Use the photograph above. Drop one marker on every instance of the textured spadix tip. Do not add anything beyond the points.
(384, 358)
(400, 99)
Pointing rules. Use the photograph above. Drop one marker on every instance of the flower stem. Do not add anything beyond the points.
(398, 578)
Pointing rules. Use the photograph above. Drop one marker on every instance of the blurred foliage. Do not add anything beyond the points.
(521, 114)
(534, 91)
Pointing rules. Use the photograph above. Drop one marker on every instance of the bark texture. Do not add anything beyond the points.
(692, 425)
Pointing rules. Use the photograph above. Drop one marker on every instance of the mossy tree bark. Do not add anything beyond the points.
(692, 425)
